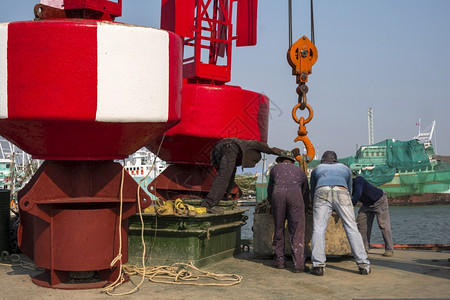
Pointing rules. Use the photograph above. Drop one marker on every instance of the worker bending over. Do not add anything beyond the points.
(226, 155)
(374, 202)
(331, 189)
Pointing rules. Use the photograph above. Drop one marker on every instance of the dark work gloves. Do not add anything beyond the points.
(295, 152)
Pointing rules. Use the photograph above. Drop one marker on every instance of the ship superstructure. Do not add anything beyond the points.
(408, 171)
(144, 166)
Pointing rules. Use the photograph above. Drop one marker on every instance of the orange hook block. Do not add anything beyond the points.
(302, 55)
(310, 151)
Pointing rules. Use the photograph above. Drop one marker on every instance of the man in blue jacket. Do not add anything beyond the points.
(374, 202)
(331, 187)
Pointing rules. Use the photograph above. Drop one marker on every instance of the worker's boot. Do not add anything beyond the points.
(212, 210)
(304, 270)
(318, 271)
(280, 266)
(215, 210)
(364, 271)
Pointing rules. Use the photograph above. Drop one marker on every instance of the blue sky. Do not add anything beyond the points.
(389, 55)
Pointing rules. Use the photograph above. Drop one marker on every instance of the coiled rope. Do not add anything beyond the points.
(183, 273)
(17, 262)
(121, 278)
(178, 273)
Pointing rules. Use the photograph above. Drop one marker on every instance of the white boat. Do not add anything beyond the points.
(144, 166)
(16, 169)
(16, 166)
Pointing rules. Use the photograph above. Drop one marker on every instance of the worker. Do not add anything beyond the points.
(331, 187)
(226, 155)
(288, 195)
(374, 202)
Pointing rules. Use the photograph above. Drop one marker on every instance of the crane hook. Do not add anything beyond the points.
(302, 132)
(310, 151)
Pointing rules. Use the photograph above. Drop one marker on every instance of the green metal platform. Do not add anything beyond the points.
(201, 239)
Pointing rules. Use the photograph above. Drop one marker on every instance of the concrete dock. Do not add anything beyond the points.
(409, 274)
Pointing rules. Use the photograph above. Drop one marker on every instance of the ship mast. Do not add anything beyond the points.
(426, 136)
(370, 125)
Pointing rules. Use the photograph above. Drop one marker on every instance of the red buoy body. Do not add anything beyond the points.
(87, 90)
(80, 93)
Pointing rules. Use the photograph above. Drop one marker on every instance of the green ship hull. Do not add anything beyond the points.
(408, 171)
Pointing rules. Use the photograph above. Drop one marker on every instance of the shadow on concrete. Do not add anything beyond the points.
(23, 266)
(252, 257)
(269, 262)
(431, 267)
(334, 267)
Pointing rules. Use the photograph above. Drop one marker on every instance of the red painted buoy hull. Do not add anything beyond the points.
(69, 218)
(80, 93)
(71, 140)
(209, 114)
(82, 90)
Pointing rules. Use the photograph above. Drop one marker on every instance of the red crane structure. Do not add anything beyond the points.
(211, 109)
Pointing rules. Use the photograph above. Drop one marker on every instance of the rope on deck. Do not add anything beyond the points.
(17, 262)
(178, 273)
(183, 273)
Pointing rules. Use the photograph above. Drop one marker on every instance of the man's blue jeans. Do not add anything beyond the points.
(327, 199)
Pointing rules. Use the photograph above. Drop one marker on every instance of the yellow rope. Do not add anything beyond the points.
(182, 273)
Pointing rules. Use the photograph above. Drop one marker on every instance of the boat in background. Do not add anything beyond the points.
(16, 168)
(144, 166)
(409, 172)
(5, 173)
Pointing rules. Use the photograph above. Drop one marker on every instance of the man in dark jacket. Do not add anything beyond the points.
(288, 194)
(226, 155)
(374, 202)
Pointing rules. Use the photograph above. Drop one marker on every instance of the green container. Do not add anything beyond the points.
(201, 239)
(4, 220)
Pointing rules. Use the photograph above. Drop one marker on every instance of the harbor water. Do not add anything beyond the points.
(428, 224)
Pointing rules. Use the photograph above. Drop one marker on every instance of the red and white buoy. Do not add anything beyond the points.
(80, 91)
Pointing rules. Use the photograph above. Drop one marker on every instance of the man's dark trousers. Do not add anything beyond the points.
(225, 174)
(288, 204)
